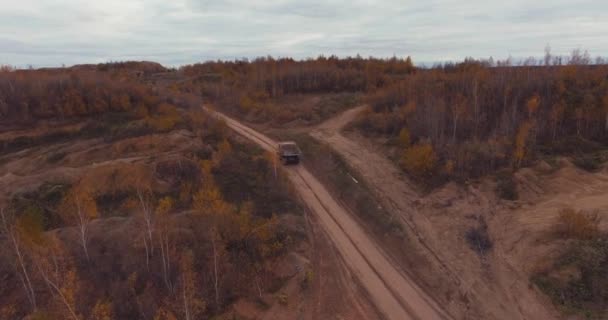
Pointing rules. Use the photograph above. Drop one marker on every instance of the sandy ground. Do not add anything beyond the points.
(394, 294)
(26, 170)
(494, 286)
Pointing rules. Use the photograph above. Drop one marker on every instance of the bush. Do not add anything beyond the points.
(506, 188)
(282, 298)
(584, 290)
(479, 239)
(419, 160)
(56, 157)
(589, 163)
(573, 224)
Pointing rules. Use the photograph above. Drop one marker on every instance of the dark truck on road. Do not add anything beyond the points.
(289, 153)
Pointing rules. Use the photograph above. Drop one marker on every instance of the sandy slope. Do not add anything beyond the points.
(491, 287)
(393, 292)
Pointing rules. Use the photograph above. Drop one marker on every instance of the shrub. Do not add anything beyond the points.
(307, 280)
(584, 291)
(506, 188)
(419, 160)
(56, 157)
(479, 239)
(282, 298)
(404, 138)
(589, 163)
(572, 224)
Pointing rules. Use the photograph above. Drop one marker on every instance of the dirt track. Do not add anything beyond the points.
(392, 291)
(493, 289)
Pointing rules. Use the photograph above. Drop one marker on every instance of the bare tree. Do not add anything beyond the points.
(548, 57)
(147, 215)
(79, 208)
(162, 212)
(12, 232)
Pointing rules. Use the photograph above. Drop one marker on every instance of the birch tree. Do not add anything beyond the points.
(79, 208)
(13, 230)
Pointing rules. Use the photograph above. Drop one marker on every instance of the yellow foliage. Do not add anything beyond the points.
(209, 200)
(79, 205)
(520, 142)
(448, 168)
(246, 103)
(190, 290)
(166, 118)
(163, 314)
(532, 104)
(404, 138)
(185, 192)
(30, 227)
(102, 311)
(224, 149)
(164, 206)
(419, 160)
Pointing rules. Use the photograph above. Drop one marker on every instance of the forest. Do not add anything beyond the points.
(469, 120)
(157, 230)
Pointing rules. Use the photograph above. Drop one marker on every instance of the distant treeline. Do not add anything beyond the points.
(65, 93)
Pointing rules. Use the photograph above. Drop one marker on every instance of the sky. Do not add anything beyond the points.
(46, 33)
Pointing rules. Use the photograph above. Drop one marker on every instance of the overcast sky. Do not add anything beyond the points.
(176, 32)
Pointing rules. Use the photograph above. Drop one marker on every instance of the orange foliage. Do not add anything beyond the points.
(520, 142)
(419, 160)
(577, 224)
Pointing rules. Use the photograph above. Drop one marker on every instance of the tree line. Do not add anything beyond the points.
(469, 119)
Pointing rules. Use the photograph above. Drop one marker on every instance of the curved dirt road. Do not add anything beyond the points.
(395, 295)
(493, 289)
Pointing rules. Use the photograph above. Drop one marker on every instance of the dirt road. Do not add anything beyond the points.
(393, 292)
(493, 289)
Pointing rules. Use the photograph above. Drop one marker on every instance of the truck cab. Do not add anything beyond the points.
(289, 153)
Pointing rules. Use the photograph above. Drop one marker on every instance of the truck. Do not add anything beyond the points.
(288, 152)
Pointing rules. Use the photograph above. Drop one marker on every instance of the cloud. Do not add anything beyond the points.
(55, 32)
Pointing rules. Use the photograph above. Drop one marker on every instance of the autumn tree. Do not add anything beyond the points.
(404, 138)
(532, 105)
(102, 311)
(193, 305)
(210, 203)
(419, 160)
(57, 270)
(79, 208)
(164, 314)
(459, 109)
(147, 216)
(521, 140)
(162, 213)
(15, 230)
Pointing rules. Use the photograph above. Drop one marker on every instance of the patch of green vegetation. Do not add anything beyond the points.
(585, 291)
(591, 162)
(42, 203)
(333, 104)
(506, 188)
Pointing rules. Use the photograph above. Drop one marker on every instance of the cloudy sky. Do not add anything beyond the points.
(176, 32)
